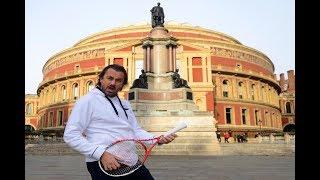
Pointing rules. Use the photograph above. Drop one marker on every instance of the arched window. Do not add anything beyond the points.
(240, 90)
(262, 93)
(225, 88)
(53, 95)
(64, 92)
(252, 91)
(198, 102)
(29, 108)
(89, 86)
(288, 107)
(75, 91)
(47, 97)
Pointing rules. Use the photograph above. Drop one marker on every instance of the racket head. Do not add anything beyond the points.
(131, 155)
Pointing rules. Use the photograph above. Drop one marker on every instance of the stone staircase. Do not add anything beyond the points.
(49, 149)
(265, 148)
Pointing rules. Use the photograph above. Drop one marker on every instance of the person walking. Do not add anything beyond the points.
(226, 136)
(218, 136)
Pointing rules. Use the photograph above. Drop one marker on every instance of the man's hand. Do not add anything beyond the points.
(168, 139)
(109, 161)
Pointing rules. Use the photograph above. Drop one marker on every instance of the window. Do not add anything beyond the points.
(244, 115)
(252, 91)
(179, 66)
(266, 118)
(256, 117)
(29, 108)
(89, 86)
(240, 90)
(50, 119)
(139, 67)
(53, 95)
(64, 92)
(262, 93)
(225, 88)
(75, 91)
(77, 68)
(41, 121)
(228, 115)
(288, 107)
(239, 67)
(60, 113)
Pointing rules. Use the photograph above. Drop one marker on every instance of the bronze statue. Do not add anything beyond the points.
(157, 16)
(178, 82)
(142, 82)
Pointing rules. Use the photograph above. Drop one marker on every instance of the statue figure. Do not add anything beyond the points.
(157, 16)
(141, 82)
(177, 81)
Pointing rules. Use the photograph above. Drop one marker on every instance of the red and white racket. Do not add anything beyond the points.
(133, 153)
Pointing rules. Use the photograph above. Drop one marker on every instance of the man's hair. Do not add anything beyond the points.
(117, 68)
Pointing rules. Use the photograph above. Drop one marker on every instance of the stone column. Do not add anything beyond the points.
(170, 58)
(204, 72)
(174, 57)
(190, 74)
(148, 59)
(145, 61)
(131, 69)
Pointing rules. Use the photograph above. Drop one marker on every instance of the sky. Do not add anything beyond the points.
(52, 26)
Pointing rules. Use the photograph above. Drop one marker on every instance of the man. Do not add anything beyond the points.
(100, 118)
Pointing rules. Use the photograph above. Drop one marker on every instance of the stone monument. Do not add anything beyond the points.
(160, 98)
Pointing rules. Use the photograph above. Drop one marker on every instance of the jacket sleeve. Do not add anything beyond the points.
(138, 131)
(78, 121)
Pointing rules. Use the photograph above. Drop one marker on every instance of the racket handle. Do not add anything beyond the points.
(180, 126)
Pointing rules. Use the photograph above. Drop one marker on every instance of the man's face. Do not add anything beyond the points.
(112, 82)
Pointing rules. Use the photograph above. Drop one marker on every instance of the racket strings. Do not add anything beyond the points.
(130, 155)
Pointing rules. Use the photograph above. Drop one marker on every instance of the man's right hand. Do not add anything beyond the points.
(109, 161)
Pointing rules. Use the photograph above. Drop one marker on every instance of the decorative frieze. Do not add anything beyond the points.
(222, 52)
(91, 54)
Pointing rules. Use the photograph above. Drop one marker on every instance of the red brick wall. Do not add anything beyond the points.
(210, 102)
(232, 63)
(197, 74)
(126, 35)
(34, 122)
(236, 108)
(118, 61)
(83, 64)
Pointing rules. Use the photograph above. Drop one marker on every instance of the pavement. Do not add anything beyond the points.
(239, 161)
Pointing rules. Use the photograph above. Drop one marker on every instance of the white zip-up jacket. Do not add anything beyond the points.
(94, 116)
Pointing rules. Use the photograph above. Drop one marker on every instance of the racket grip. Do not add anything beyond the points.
(180, 126)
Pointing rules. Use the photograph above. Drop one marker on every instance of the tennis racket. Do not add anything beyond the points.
(133, 153)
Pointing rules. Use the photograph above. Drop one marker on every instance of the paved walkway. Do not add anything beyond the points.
(276, 164)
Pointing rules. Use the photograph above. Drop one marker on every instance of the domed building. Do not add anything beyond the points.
(235, 82)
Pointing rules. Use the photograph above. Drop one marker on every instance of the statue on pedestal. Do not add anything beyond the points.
(141, 82)
(157, 16)
(178, 82)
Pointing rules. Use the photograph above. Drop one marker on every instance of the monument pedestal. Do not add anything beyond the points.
(160, 99)
(198, 138)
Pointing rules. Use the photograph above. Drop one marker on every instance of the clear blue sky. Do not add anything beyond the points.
(53, 25)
